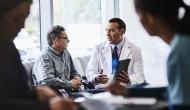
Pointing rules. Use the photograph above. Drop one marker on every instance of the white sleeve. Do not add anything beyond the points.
(138, 70)
(92, 70)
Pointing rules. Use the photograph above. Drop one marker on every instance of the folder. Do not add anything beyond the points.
(122, 66)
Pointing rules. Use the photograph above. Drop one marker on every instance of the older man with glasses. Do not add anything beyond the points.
(55, 67)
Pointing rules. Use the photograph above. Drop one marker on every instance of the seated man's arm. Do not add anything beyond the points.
(46, 74)
(138, 70)
(74, 76)
(73, 71)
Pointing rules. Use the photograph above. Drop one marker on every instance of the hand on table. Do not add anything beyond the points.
(59, 103)
(117, 89)
(45, 93)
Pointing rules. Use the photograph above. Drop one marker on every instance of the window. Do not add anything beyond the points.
(32, 24)
(28, 40)
(82, 21)
(154, 51)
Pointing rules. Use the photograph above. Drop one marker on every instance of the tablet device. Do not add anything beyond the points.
(122, 66)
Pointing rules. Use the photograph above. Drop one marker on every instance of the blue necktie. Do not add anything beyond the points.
(115, 60)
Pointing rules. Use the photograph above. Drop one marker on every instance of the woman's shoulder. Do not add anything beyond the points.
(182, 45)
(183, 40)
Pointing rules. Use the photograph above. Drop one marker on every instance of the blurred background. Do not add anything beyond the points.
(85, 22)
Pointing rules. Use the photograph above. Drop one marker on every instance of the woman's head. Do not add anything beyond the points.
(164, 11)
(12, 17)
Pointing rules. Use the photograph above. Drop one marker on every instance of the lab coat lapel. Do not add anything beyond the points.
(106, 51)
(126, 49)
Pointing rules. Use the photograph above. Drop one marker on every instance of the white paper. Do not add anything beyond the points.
(113, 99)
(94, 104)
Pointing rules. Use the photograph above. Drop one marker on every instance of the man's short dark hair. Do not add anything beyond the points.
(120, 23)
(53, 33)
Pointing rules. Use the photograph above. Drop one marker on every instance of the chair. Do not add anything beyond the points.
(81, 65)
(28, 67)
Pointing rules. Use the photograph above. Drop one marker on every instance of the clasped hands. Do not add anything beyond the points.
(56, 102)
(76, 83)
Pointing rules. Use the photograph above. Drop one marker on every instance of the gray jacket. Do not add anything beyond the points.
(54, 68)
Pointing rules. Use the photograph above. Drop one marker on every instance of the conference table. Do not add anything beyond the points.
(107, 101)
(160, 105)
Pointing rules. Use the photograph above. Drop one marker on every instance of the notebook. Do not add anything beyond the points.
(122, 66)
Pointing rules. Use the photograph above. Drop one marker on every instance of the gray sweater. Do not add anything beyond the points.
(54, 69)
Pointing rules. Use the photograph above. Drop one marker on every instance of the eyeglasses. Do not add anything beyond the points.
(64, 38)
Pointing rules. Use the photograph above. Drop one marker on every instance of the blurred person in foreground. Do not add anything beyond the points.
(15, 93)
(161, 18)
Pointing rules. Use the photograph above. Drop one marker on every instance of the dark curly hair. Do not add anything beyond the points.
(168, 11)
(8, 5)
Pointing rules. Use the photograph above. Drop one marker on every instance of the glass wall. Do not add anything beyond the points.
(28, 40)
(82, 20)
(154, 50)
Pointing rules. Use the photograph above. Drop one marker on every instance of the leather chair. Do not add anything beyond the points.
(81, 65)
(28, 67)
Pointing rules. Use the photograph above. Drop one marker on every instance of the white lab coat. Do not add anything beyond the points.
(101, 58)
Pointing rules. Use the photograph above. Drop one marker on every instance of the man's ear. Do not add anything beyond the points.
(56, 40)
(151, 19)
(122, 32)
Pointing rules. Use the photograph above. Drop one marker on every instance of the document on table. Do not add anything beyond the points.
(95, 104)
(105, 101)
(113, 99)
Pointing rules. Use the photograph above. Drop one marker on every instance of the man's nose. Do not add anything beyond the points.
(68, 40)
(108, 33)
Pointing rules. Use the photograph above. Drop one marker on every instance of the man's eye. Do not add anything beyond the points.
(112, 30)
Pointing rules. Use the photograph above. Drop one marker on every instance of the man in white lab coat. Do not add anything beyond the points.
(100, 67)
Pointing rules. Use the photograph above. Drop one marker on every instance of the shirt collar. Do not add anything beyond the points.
(120, 45)
(55, 52)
